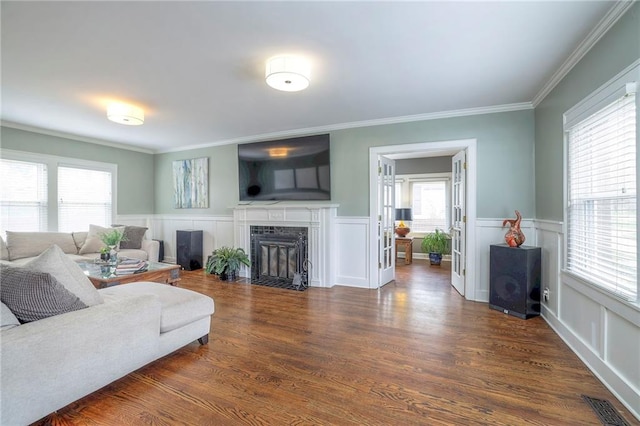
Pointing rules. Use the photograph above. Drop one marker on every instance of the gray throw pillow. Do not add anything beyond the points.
(68, 273)
(32, 296)
(133, 236)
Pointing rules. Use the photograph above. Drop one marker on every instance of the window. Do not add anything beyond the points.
(601, 213)
(84, 197)
(429, 203)
(23, 196)
(47, 193)
(428, 196)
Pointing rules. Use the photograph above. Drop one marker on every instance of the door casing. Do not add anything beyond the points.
(428, 149)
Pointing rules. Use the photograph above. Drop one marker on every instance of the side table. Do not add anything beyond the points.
(407, 243)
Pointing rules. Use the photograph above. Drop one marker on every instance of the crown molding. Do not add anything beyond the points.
(48, 132)
(366, 123)
(605, 24)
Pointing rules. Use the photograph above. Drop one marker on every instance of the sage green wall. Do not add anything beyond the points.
(135, 169)
(423, 165)
(223, 180)
(504, 168)
(617, 49)
(505, 164)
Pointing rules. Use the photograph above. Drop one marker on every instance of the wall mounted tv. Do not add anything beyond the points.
(285, 169)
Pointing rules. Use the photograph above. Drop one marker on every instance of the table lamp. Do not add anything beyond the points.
(403, 214)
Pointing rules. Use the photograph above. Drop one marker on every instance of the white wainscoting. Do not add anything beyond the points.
(352, 239)
(217, 231)
(603, 331)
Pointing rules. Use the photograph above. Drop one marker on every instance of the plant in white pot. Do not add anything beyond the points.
(436, 244)
(226, 262)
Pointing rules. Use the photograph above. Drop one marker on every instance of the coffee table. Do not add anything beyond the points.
(165, 273)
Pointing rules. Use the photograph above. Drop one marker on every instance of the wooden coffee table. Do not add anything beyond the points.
(165, 273)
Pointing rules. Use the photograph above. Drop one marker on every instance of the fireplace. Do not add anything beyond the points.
(314, 220)
(279, 256)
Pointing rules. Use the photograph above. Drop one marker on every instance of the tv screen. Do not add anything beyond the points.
(285, 169)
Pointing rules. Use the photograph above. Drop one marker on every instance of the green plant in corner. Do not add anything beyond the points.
(436, 244)
(226, 262)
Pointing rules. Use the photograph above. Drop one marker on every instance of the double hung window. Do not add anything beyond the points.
(601, 211)
(47, 193)
(429, 199)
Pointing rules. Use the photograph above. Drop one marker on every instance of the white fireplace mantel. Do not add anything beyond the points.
(319, 218)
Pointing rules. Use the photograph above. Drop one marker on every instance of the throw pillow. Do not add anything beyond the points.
(8, 320)
(32, 296)
(93, 243)
(68, 273)
(133, 236)
(4, 253)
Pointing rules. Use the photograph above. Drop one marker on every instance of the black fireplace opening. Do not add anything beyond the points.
(279, 257)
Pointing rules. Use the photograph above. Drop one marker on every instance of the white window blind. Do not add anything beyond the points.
(23, 196)
(601, 211)
(84, 198)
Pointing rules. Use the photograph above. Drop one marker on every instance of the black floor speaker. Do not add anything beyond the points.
(514, 280)
(189, 249)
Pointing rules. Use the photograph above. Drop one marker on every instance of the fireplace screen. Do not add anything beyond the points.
(279, 257)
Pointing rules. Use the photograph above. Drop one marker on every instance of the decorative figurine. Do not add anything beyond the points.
(514, 236)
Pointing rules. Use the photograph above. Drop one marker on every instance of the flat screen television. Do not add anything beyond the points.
(285, 169)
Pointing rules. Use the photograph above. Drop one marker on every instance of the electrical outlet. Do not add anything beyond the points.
(545, 294)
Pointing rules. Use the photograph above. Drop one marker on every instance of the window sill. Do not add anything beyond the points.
(627, 309)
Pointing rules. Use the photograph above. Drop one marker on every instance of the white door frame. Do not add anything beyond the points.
(427, 147)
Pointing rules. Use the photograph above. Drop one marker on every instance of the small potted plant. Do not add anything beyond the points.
(104, 253)
(436, 244)
(226, 262)
(112, 238)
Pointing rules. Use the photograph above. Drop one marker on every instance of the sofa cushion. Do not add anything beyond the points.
(68, 273)
(7, 319)
(179, 305)
(133, 236)
(4, 253)
(93, 243)
(79, 238)
(29, 244)
(33, 295)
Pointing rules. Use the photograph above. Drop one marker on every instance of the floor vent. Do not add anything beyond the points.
(605, 411)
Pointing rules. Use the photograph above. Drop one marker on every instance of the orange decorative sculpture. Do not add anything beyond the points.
(514, 236)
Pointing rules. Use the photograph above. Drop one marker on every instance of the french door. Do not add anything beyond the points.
(458, 221)
(386, 220)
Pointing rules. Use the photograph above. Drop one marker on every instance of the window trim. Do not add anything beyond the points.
(53, 162)
(408, 179)
(613, 89)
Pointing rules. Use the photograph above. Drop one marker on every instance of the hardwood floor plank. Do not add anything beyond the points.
(414, 352)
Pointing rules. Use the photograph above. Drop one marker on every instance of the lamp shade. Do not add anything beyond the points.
(125, 114)
(404, 214)
(288, 73)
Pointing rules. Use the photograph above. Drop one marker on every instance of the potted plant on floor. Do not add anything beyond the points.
(436, 244)
(226, 262)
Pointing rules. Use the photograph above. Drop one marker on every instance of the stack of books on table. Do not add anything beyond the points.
(131, 266)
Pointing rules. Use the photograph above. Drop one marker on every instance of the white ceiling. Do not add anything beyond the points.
(197, 68)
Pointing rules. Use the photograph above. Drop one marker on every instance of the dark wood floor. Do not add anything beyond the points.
(414, 352)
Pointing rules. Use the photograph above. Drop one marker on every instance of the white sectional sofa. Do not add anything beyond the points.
(61, 339)
(49, 363)
(22, 247)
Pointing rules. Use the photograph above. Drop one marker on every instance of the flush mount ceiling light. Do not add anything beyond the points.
(288, 73)
(125, 114)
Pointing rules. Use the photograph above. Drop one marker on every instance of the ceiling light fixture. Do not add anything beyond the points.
(288, 73)
(125, 114)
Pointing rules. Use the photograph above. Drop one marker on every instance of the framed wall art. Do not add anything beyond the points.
(191, 183)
